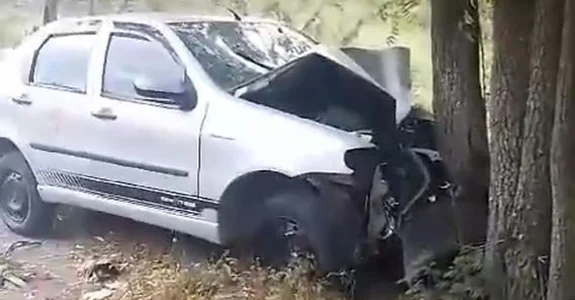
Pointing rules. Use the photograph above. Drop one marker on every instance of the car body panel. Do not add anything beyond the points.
(240, 137)
(178, 161)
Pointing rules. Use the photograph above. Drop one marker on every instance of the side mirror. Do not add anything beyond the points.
(174, 86)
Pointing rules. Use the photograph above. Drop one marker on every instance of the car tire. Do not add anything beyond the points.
(299, 222)
(21, 208)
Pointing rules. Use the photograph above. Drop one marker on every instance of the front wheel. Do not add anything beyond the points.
(299, 223)
(21, 208)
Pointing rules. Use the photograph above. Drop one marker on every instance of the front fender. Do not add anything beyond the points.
(217, 173)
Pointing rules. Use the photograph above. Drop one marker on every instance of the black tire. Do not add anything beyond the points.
(21, 208)
(323, 230)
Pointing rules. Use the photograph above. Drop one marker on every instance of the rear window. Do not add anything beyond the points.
(62, 62)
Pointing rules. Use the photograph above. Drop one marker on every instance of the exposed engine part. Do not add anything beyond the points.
(380, 220)
(424, 185)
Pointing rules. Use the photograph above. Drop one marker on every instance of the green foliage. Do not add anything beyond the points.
(10, 29)
(363, 23)
(462, 280)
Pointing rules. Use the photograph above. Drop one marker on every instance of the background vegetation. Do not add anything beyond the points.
(369, 23)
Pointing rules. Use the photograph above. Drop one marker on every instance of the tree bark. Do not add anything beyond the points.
(512, 29)
(530, 220)
(91, 7)
(50, 12)
(460, 111)
(562, 265)
(526, 204)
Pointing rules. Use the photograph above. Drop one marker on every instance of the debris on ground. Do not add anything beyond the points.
(12, 276)
(103, 269)
(98, 295)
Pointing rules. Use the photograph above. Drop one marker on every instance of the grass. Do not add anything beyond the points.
(148, 275)
(160, 277)
(225, 279)
(462, 280)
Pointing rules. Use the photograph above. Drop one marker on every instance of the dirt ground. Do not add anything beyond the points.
(52, 268)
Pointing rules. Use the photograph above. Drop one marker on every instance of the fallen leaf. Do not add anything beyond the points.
(102, 269)
(15, 280)
(98, 295)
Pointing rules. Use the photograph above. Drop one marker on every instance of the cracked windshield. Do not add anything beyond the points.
(287, 150)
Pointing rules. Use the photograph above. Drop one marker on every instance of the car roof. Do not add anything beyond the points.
(151, 18)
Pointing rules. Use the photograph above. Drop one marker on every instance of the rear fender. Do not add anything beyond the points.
(10, 134)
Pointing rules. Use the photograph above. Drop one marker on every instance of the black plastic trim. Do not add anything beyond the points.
(110, 160)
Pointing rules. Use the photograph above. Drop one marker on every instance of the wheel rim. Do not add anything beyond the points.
(14, 197)
(286, 242)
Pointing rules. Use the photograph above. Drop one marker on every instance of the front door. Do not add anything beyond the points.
(144, 148)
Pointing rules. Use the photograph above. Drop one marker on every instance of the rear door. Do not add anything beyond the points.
(55, 104)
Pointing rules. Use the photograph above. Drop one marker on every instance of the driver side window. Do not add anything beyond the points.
(131, 57)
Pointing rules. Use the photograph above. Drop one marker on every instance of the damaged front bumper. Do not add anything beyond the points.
(394, 190)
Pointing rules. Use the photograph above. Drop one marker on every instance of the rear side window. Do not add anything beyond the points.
(62, 62)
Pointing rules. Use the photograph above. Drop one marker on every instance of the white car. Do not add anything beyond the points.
(244, 133)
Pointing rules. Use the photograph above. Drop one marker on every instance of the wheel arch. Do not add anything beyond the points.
(242, 199)
(241, 206)
(7, 145)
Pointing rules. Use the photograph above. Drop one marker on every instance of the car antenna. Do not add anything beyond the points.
(235, 14)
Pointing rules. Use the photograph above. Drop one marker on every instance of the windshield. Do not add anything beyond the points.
(233, 53)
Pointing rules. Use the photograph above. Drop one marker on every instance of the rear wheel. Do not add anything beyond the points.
(21, 208)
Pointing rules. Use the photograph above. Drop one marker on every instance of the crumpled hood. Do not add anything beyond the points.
(343, 59)
(376, 60)
(318, 88)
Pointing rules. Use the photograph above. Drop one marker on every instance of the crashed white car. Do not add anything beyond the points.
(244, 133)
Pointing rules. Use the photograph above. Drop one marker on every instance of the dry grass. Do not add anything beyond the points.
(163, 279)
(147, 276)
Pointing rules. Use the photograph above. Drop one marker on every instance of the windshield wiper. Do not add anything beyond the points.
(237, 16)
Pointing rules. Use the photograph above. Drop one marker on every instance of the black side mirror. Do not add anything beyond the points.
(189, 99)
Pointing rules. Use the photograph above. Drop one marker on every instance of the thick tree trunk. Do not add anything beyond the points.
(512, 30)
(527, 202)
(562, 267)
(460, 111)
(529, 224)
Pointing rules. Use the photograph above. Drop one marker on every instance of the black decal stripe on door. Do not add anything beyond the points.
(110, 160)
(126, 191)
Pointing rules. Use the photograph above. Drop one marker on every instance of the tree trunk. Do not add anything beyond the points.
(50, 12)
(460, 111)
(527, 203)
(512, 29)
(530, 221)
(562, 266)
(91, 7)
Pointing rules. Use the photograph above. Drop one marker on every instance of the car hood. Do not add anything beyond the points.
(322, 87)
(399, 94)
(361, 60)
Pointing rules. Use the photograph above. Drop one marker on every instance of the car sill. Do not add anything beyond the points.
(186, 224)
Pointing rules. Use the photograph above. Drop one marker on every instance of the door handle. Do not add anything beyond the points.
(105, 113)
(22, 100)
